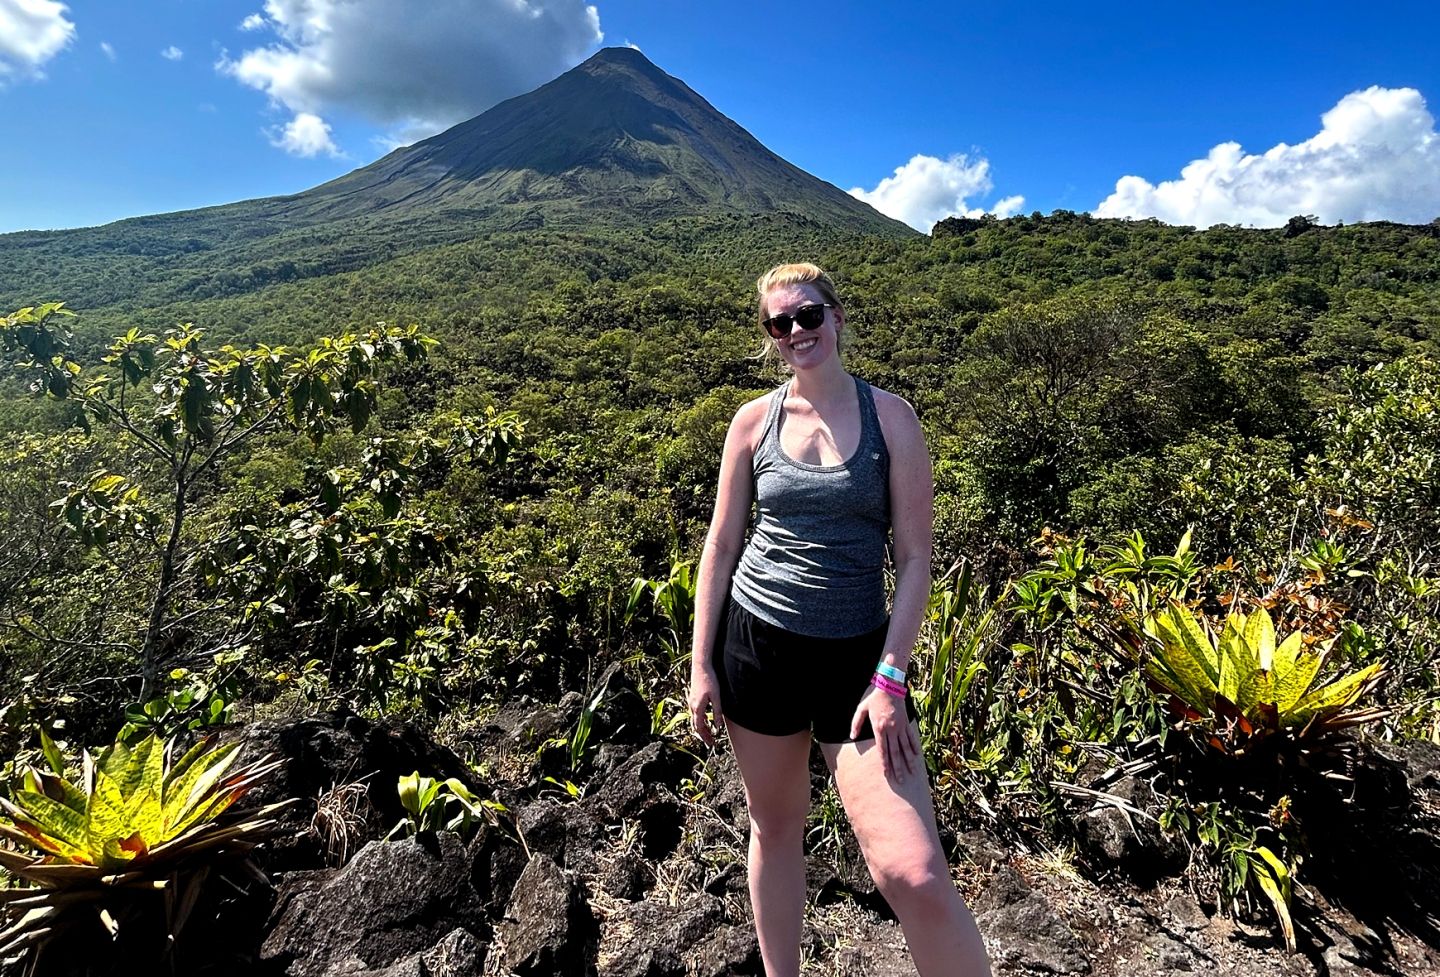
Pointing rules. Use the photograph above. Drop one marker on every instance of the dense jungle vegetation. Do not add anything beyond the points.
(1186, 512)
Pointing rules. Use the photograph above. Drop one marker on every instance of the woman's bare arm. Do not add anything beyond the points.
(733, 498)
(912, 516)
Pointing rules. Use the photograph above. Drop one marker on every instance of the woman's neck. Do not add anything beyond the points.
(824, 384)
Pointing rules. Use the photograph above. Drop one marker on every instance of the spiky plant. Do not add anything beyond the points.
(135, 822)
(1242, 686)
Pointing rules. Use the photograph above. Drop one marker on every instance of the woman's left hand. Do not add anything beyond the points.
(894, 736)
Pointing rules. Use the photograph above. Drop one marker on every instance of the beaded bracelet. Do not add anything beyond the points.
(891, 672)
(885, 685)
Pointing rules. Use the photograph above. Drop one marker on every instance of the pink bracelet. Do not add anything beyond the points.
(886, 685)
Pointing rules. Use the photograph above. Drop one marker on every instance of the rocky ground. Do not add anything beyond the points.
(642, 875)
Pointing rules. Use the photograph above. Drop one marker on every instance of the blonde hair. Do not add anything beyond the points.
(800, 273)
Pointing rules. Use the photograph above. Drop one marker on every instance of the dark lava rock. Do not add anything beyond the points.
(1133, 845)
(980, 848)
(458, 955)
(393, 900)
(1024, 931)
(843, 876)
(547, 927)
(634, 785)
(569, 833)
(623, 716)
(733, 951)
(523, 726)
(1420, 759)
(1185, 913)
(496, 861)
(341, 748)
(650, 939)
(725, 792)
(627, 877)
(1005, 888)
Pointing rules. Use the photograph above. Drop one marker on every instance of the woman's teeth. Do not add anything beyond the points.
(803, 345)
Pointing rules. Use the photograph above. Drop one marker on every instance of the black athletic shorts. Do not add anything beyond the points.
(776, 682)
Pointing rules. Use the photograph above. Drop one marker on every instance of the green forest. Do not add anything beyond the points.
(1187, 494)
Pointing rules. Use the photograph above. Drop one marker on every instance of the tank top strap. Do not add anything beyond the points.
(770, 433)
(871, 433)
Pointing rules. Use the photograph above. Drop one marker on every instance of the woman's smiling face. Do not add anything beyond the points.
(804, 348)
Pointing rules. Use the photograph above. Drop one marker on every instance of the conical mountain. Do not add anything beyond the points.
(612, 143)
(615, 133)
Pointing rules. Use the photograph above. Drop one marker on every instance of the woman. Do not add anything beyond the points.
(792, 640)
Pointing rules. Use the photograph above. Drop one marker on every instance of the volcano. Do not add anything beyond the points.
(613, 134)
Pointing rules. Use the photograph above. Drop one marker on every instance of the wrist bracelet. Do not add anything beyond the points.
(885, 685)
(891, 672)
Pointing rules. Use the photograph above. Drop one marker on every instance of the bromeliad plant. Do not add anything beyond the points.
(136, 820)
(1243, 687)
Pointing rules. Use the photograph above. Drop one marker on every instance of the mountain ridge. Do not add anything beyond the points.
(615, 136)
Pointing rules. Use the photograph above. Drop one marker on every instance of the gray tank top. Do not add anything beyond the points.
(814, 563)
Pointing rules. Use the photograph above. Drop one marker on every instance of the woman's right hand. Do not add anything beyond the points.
(705, 693)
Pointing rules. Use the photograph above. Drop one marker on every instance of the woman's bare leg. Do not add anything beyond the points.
(776, 771)
(895, 825)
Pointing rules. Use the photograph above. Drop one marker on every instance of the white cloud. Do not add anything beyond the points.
(31, 33)
(416, 68)
(107, 50)
(1376, 157)
(305, 135)
(172, 53)
(927, 189)
(253, 23)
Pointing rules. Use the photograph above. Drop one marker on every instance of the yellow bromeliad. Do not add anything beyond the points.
(136, 819)
(1245, 685)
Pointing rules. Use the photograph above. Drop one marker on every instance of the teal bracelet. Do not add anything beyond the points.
(891, 672)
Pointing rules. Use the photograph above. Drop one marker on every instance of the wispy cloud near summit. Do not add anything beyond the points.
(413, 68)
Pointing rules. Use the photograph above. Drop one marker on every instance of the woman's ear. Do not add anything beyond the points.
(839, 318)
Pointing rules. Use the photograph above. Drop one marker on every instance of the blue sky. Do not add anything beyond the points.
(115, 110)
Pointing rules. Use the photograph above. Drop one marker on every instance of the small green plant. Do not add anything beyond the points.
(660, 724)
(577, 744)
(194, 705)
(135, 820)
(1242, 686)
(440, 805)
(826, 831)
(674, 600)
(961, 632)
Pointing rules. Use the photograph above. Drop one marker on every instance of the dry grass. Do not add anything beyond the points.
(341, 814)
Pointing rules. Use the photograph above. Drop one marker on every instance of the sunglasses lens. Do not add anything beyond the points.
(810, 317)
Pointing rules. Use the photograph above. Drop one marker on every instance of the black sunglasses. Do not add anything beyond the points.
(806, 317)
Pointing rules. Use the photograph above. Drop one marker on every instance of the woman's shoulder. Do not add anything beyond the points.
(898, 422)
(749, 420)
(891, 407)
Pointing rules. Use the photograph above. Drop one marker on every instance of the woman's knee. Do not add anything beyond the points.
(778, 818)
(918, 888)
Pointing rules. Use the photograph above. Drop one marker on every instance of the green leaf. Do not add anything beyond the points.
(1274, 880)
(1334, 696)
(53, 756)
(54, 819)
(1286, 654)
(1260, 636)
(1292, 686)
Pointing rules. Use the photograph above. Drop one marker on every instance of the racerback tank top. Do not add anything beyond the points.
(815, 560)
